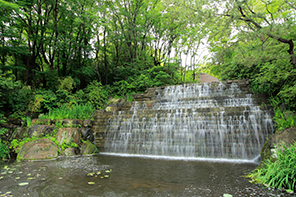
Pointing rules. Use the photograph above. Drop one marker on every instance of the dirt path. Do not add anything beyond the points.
(203, 77)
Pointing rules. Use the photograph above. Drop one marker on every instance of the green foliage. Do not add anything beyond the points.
(17, 144)
(123, 88)
(4, 149)
(129, 98)
(283, 118)
(76, 111)
(14, 96)
(80, 97)
(27, 121)
(43, 100)
(281, 172)
(96, 94)
(67, 84)
(66, 145)
(153, 77)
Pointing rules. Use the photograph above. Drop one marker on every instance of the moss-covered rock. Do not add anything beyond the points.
(87, 123)
(40, 130)
(71, 151)
(68, 135)
(88, 148)
(87, 134)
(38, 149)
(285, 137)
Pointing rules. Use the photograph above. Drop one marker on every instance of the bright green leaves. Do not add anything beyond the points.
(280, 173)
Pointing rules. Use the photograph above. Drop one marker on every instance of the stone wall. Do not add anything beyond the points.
(148, 101)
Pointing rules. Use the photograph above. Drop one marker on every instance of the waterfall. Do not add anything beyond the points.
(211, 120)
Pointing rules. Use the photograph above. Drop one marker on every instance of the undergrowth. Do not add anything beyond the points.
(77, 111)
(280, 173)
(283, 118)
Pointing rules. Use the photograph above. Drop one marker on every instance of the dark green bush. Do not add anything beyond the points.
(4, 149)
(14, 96)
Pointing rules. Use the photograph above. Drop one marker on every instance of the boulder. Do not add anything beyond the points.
(72, 122)
(41, 121)
(68, 135)
(111, 108)
(18, 133)
(72, 151)
(38, 149)
(40, 130)
(87, 123)
(88, 148)
(87, 134)
(285, 137)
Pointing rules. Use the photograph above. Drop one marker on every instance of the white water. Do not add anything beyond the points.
(192, 121)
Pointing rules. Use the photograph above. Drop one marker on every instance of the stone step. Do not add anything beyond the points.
(202, 112)
(188, 102)
(196, 97)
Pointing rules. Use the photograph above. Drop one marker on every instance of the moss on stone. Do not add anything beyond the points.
(88, 148)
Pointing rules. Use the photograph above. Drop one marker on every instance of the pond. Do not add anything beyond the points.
(113, 175)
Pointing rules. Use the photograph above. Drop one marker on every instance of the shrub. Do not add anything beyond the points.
(96, 94)
(4, 149)
(77, 111)
(66, 84)
(282, 117)
(280, 173)
(14, 96)
(43, 100)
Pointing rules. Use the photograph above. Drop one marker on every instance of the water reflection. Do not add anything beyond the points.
(129, 176)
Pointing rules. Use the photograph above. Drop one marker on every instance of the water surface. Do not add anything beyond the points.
(129, 176)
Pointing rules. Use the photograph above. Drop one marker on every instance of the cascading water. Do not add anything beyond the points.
(212, 120)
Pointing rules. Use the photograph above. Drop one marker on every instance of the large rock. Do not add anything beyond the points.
(87, 123)
(72, 151)
(40, 130)
(72, 122)
(87, 134)
(285, 137)
(68, 135)
(88, 148)
(41, 122)
(38, 149)
(18, 133)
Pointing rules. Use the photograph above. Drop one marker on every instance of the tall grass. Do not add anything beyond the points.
(280, 173)
(283, 118)
(76, 111)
